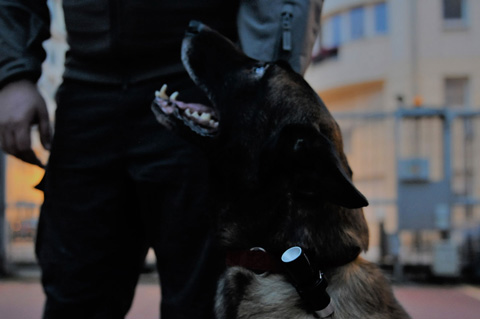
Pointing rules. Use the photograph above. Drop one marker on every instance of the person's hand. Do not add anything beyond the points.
(22, 106)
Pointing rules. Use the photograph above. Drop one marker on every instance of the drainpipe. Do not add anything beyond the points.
(415, 72)
(3, 222)
(414, 47)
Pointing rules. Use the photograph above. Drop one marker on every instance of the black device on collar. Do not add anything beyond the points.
(310, 283)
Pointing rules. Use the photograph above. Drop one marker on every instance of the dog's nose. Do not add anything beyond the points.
(194, 27)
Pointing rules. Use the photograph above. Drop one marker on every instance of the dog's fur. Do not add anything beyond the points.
(281, 179)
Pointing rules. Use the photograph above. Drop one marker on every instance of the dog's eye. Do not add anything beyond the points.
(259, 70)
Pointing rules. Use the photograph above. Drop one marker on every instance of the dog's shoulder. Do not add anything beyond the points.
(244, 294)
(360, 290)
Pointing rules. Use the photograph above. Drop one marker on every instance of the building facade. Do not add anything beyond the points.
(377, 57)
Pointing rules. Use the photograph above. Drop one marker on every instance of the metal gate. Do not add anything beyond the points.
(434, 174)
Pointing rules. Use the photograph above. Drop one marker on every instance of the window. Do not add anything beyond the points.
(336, 31)
(456, 92)
(332, 32)
(354, 24)
(455, 13)
(381, 18)
(453, 9)
(357, 23)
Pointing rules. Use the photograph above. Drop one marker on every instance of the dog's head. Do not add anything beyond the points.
(274, 129)
(275, 138)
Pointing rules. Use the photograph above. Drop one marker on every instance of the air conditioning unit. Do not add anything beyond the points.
(446, 260)
(414, 170)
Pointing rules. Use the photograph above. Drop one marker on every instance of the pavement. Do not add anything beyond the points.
(439, 302)
(21, 297)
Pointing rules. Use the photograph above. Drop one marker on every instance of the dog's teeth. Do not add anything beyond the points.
(205, 117)
(167, 109)
(213, 123)
(196, 115)
(162, 93)
(174, 96)
(188, 112)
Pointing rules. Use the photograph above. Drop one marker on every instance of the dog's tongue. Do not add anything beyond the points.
(194, 107)
(166, 102)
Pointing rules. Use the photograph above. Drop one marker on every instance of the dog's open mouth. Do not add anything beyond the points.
(199, 118)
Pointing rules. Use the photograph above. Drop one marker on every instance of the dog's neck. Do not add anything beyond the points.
(260, 261)
(255, 259)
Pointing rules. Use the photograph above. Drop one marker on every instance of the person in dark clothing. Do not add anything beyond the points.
(116, 182)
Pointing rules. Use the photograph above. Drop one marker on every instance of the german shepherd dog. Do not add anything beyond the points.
(280, 180)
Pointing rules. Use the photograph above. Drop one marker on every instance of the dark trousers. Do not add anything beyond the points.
(116, 184)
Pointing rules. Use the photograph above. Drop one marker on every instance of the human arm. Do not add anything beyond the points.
(24, 25)
(22, 106)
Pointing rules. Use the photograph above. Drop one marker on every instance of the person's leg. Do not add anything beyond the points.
(90, 246)
(172, 187)
(180, 231)
(90, 250)
(181, 234)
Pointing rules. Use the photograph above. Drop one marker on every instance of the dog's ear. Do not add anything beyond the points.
(306, 162)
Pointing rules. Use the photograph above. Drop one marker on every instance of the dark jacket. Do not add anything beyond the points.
(110, 41)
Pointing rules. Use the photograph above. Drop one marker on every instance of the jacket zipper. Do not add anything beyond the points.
(287, 18)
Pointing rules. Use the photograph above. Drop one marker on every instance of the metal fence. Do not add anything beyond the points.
(419, 168)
